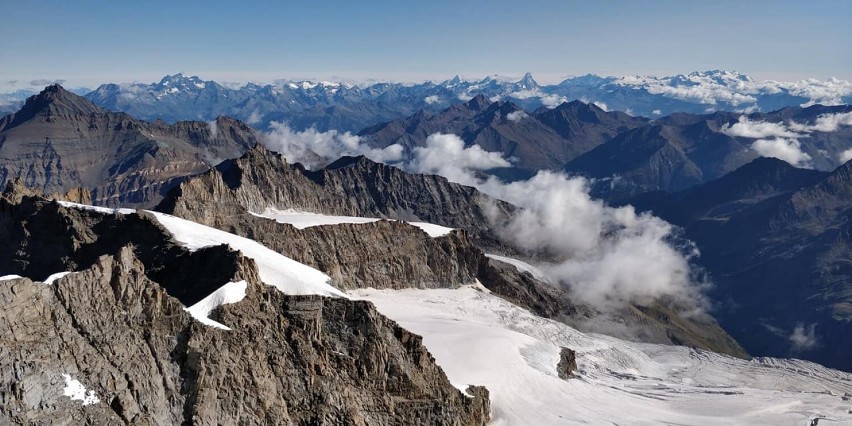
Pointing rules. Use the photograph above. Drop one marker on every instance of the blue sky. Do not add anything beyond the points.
(88, 42)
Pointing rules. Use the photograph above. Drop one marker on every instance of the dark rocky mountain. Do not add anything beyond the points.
(777, 242)
(351, 186)
(118, 325)
(59, 140)
(682, 150)
(543, 140)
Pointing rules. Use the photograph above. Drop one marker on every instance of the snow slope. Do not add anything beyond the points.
(521, 266)
(481, 339)
(304, 220)
(228, 293)
(285, 274)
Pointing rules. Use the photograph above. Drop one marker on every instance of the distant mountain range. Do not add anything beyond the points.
(670, 153)
(331, 105)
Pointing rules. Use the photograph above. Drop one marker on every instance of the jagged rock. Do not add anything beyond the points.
(59, 141)
(351, 186)
(382, 254)
(567, 363)
(118, 325)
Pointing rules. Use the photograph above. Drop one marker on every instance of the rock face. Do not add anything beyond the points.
(383, 254)
(59, 141)
(351, 186)
(118, 326)
(567, 363)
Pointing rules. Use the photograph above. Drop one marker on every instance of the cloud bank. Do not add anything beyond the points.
(315, 149)
(781, 139)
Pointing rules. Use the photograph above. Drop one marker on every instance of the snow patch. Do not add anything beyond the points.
(10, 277)
(104, 210)
(302, 220)
(56, 276)
(228, 293)
(521, 266)
(77, 392)
(285, 274)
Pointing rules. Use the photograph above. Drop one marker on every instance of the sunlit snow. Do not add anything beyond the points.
(302, 220)
(228, 293)
(77, 392)
(287, 275)
(481, 339)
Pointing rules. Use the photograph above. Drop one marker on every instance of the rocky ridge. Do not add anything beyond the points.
(59, 140)
(117, 324)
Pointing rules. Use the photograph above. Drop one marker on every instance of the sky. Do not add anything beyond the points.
(86, 43)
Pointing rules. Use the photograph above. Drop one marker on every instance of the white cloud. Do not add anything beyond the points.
(517, 115)
(781, 139)
(804, 338)
(757, 129)
(431, 99)
(213, 128)
(447, 156)
(846, 155)
(254, 117)
(548, 100)
(656, 112)
(785, 149)
(315, 149)
(607, 256)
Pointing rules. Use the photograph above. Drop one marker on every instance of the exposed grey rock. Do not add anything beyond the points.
(118, 326)
(59, 141)
(567, 363)
(351, 186)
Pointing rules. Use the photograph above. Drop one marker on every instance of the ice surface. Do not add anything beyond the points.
(302, 220)
(481, 339)
(228, 293)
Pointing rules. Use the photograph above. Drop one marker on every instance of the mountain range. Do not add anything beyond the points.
(346, 107)
(256, 290)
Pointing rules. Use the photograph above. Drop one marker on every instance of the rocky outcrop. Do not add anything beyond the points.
(118, 326)
(567, 363)
(351, 186)
(59, 141)
(382, 254)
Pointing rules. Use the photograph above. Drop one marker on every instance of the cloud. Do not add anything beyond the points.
(431, 99)
(846, 155)
(315, 149)
(781, 139)
(656, 112)
(45, 82)
(757, 129)
(517, 115)
(825, 123)
(548, 100)
(803, 338)
(607, 256)
(446, 155)
(785, 149)
(254, 117)
(213, 128)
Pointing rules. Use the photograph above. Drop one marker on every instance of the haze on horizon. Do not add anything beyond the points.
(87, 43)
